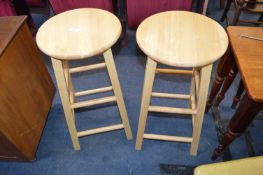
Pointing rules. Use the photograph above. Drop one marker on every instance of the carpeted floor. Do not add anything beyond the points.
(111, 153)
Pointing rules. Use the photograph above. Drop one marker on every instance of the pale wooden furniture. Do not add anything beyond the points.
(78, 34)
(26, 91)
(181, 39)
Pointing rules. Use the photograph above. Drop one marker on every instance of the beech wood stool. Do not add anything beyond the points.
(181, 39)
(79, 34)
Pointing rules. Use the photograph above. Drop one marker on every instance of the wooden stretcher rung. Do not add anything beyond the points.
(171, 110)
(174, 71)
(87, 68)
(168, 138)
(99, 130)
(93, 102)
(93, 91)
(167, 95)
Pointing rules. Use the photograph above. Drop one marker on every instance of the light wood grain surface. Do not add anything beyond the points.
(180, 38)
(78, 33)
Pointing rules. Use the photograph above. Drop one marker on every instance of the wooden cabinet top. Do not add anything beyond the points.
(8, 28)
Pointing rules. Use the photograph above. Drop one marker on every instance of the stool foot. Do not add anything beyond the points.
(146, 97)
(117, 91)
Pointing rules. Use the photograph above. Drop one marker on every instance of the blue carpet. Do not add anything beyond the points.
(111, 153)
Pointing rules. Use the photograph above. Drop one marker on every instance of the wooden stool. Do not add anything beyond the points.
(79, 34)
(181, 39)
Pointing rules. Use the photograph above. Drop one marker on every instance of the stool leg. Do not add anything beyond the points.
(65, 99)
(192, 89)
(117, 91)
(205, 74)
(146, 98)
(192, 100)
(69, 85)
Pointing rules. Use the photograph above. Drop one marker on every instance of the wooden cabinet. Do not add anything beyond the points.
(26, 91)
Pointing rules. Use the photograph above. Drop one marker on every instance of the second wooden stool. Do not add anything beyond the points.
(186, 40)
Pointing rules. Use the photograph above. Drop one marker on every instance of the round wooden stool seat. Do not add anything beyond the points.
(78, 34)
(183, 39)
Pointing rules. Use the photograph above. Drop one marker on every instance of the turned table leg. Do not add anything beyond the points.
(236, 99)
(223, 69)
(227, 83)
(244, 115)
